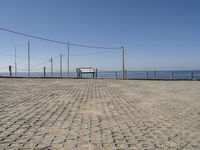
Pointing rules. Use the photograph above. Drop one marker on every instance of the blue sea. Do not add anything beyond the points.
(129, 74)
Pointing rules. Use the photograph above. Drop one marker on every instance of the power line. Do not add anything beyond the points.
(94, 53)
(96, 47)
(56, 41)
(40, 64)
(4, 54)
(43, 63)
(18, 56)
(37, 69)
(32, 36)
(21, 69)
(4, 67)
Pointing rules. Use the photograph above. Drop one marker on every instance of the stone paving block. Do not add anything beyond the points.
(99, 114)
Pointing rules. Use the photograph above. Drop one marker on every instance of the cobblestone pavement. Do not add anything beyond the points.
(92, 114)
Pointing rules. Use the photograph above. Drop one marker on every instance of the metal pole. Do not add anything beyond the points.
(15, 63)
(172, 75)
(126, 74)
(68, 59)
(147, 75)
(96, 72)
(10, 70)
(123, 67)
(192, 75)
(61, 65)
(51, 60)
(154, 74)
(44, 71)
(28, 58)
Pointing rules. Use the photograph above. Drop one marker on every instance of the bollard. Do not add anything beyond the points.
(96, 72)
(116, 75)
(10, 70)
(44, 71)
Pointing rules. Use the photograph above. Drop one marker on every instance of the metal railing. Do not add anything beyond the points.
(148, 75)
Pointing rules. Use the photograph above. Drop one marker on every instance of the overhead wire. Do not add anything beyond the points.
(56, 41)
(107, 49)
(40, 64)
(93, 53)
(3, 67)
(32, 36)
(22, 69)
(18, 56)
(38, 69)
(10, 55)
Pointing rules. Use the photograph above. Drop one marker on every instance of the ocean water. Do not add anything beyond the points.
(129, 74)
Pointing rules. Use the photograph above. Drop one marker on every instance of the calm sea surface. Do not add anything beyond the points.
(129, 74)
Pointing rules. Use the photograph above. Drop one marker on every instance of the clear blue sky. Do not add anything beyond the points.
(156, 34)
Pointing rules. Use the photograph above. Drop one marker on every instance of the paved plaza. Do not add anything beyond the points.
(107, 114)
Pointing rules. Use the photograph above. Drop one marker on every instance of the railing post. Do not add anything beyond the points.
(96, 72)
(44, 70)
(29, 67)
(51, 60)
(154, 74)
(10, 70)
(172, 75)
(192, 75)
(147, 75)
(123, 65)
(15, 63)
(116, 75)
(126, 74)
(61, 65)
